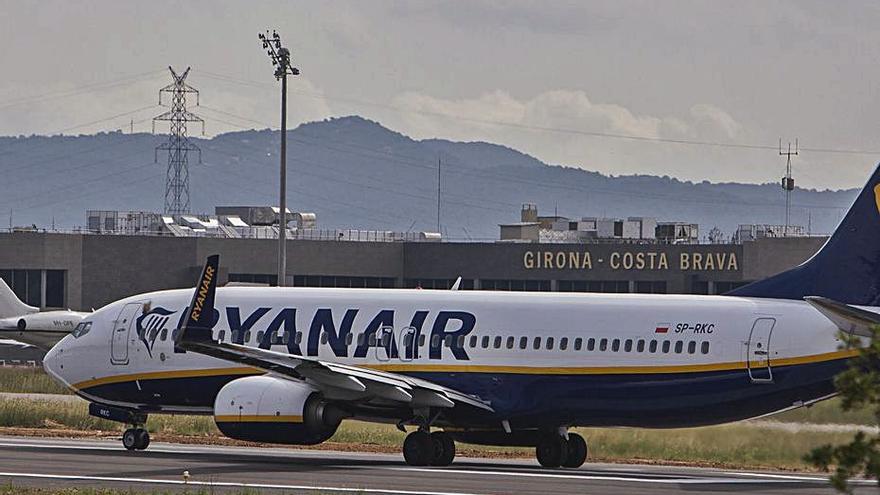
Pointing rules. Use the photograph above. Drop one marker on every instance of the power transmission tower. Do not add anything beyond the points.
(788, 181)
(178, 145)
(281, 60)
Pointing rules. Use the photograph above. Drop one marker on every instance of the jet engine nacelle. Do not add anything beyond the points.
(275, 410)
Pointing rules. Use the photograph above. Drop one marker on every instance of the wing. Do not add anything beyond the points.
(353, 383)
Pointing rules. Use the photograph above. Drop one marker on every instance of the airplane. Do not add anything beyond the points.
(28, 325)
(288, 365)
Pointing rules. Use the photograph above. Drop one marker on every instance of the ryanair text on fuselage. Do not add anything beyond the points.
(278, 328)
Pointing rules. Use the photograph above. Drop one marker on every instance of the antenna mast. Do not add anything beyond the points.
(178, 145)
(788, 181)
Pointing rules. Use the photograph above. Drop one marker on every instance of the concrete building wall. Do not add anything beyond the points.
(104, 268)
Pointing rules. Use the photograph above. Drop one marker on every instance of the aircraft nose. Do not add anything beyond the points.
(53, 363)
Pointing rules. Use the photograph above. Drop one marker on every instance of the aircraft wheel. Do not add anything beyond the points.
(418, 448)
(143, 439)
(130, 439)
(443, 451)
(577, 451)
(551, 451)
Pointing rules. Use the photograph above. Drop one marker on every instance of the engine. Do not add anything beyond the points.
(275, 410)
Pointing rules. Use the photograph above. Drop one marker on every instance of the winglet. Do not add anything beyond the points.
(850, 319)
(200, 317)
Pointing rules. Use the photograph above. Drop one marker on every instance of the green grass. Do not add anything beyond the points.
(827, 412)
(28, 380)
(740, 444)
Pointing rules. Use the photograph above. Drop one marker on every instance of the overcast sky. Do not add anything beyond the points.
(543, 77)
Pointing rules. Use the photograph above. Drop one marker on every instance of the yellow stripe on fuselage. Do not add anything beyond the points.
(257, 418)
(466, 368)
(164, 375)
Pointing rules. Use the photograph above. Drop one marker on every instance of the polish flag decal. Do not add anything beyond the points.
(662, 328)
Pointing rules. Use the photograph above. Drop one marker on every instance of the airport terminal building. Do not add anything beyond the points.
(86, 270)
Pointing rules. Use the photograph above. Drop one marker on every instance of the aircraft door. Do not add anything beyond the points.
(758, 351)
(121, 330)
(385, 345)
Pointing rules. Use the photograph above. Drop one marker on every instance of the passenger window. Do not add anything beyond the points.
(373, 339)
(603, 344)
(485, 341)
(640, 346)
(510, 341)
(497, 342)
(285, 339)
(563, 343)
(298, 338)
(324, 337)
(163, 335)
(407, 340)
(653, 346)
(422, 339)
(615, 345)
(349, 337)
(666, 346)
(549, 343)
(679, 346)
(449, 340)
(591, 344)
(692, 347)
(435, 341)
(704, 348)
(247, 336)
(523, 342)
(461, 341)
(628, 345)
(473, 340)
(578, 343)
(537, 344)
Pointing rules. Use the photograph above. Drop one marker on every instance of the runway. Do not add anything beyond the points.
(62, 462)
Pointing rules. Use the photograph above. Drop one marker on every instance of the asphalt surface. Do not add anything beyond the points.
(67, 463)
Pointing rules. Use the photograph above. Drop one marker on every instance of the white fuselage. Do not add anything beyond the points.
(623, 359)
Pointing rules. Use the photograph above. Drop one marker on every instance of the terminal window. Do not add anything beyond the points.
(437, 283)
(254, 278)
(515, 285)
(608, 286)
(41, 288)
(650, 287)
(342, 281)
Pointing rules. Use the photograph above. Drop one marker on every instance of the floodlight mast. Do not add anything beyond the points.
(280, 57)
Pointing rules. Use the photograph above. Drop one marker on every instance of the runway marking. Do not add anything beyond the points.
(645, 478)
(226, 484)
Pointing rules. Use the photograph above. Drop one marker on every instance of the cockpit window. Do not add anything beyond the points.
(81, 329)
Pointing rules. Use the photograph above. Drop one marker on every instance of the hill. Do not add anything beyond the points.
(355, 173)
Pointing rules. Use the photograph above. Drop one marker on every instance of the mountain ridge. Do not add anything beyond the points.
(355, 173)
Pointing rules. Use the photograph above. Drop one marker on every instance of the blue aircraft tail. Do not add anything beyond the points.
(846, 269)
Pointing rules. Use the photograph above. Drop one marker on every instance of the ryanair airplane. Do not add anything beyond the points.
(288, 365)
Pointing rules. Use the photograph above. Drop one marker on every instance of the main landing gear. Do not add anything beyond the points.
(135, 439)
(421, 448)
(555, 450)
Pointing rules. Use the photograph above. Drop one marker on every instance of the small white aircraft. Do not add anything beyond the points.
(287, 365)
(27, 325)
